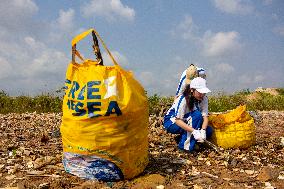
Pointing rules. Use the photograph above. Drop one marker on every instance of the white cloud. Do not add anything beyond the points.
(42, 61)
(234, 6)
(120, 59)
(247, 80)
(33, 44)
(224, 68)
(49, 63)
(163, 79)
(259, 78)
(267, 2)
(29, 65)
(279, 30)
(65, 20)
(16, 13)
(146, 78)
(213, 44)
(110, 9)
(6, 68)
(221, 43)
(62, 27)
(186, 29)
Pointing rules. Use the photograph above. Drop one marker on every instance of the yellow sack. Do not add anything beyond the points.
(235, 129)
(105, 112)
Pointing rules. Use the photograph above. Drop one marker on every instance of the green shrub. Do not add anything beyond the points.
(266, 101)
(217, 103)
(280, 91)
(21, 104)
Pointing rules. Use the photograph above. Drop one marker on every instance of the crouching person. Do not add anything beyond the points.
(188, 115)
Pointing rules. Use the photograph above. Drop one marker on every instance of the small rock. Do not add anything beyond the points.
(194, 171)
(236, 151)
(56, 133)
(35, 172)
(1, 166)
(225, 163)
(268, 186)
(26, 152)
(249, 172)
(212, 154)
(160, 187)
(93, 184)
(282, 141)
(10, 177)
(266, 174)
(30, 164)
(169, 170)
(205, 180)
(20, 186)
(176, 185)
(149, 181)
(197, 186)
(233, 163)
(281, 175)
(247, 186)
(44, 186)
(227, 179)
(189, 162)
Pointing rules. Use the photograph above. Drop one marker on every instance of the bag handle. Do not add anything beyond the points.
(95, 46)
(96, 49)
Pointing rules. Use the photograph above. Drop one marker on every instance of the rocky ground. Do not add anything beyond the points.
(30, 157)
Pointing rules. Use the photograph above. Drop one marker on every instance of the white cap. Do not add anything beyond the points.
(199, 84)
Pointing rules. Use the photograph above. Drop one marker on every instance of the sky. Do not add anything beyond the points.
(240, 43)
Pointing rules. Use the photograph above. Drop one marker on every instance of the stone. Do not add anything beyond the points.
(267, 173)
(149, 181)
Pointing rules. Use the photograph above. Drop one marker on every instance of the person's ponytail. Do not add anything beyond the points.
(190, 100)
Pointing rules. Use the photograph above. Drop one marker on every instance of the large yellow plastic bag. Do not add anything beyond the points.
(235, 129)
(105, 112)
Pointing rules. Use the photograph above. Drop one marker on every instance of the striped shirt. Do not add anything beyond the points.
(180, 109)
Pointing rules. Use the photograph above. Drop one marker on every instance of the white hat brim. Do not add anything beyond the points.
(203, 90)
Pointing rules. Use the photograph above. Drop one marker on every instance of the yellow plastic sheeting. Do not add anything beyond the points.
(235, 129)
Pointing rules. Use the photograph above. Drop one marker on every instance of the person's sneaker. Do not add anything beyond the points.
(197, 147)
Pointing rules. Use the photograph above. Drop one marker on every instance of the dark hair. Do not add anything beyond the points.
(190, 99)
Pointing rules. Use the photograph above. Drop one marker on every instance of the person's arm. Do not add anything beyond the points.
(205, 122)
(176, 97)
(181, 84)
(196, 133)
(204, 112)
(183, 125)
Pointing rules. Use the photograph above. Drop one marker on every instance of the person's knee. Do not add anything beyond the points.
(172, 127)
(167, 123)
(209, 131)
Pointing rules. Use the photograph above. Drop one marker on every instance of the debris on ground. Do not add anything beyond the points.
(31, 149)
